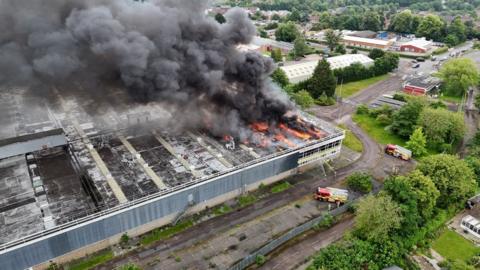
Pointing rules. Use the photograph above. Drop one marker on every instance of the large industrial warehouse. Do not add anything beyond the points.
(70, 186)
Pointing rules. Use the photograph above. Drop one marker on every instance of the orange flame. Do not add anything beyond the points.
(296, 133)
(260, 126)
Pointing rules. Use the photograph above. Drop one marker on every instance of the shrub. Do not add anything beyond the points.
(324, 100)
(399, 97)
(440, 50)
(124, 239)
(363, 109)
(384, 119)
(359, 181)
(130, 266)
(327, 221)
(260, 260)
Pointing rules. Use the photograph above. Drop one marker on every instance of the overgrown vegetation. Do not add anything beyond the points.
(165, 232)
(351, 141)
(246, 200)
(361, 182)
(403, 216)
(279, 187)
(90, 261)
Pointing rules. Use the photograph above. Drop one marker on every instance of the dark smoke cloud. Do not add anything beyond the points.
(164, 52)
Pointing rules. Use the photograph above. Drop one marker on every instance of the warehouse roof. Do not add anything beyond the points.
(302, 71)
(367, 40)
(259, 41)
(426, 82)
(33, 136)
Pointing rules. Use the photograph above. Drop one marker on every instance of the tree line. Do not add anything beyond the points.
(403, 216)
(434, 27)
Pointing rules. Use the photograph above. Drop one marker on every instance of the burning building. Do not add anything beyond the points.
(123, 116)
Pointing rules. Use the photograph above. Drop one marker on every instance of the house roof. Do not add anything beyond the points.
(419, 43)
(426, 82)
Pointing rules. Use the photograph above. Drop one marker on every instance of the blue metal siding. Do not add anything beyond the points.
(86, 234)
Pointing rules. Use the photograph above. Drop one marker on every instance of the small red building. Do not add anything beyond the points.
(416, 46)
(421, 86)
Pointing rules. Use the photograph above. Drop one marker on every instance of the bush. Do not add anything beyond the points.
(363, 109)
(124, 239)
(327, 221)
(260, 260)
(359, 181)
(399, 97)
(384, 119)
(440, 50)
(324, 100)
(130, 266)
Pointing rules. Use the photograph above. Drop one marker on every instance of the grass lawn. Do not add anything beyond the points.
(351, 141)
(280, 187)
(452, 99)
(246, 200)
(377, 131)
(453, 246)
(91, 261)
(166, 232)
(351, 88)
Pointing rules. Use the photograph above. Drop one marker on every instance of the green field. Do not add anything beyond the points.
(351, 141)
(351, 88)
(280, 187)
(163, 233)
(90, 261)
(377, 131)
(453, 246)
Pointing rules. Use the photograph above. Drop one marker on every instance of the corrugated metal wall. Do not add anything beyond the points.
(22, 257)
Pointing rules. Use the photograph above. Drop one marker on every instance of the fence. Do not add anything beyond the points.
(250, 259)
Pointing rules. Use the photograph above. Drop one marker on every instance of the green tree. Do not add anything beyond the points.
(325, 21)
(376, 217)
(442, 126)
(458, 29)
(262, 33)
(300, 48)
(276, 55)
(286, 32)
(376, 53)
(431, 27)
(219, 18)
(303, 99)
(372, 21)
(280, 77)
(477, 102)
(425, 191)
(451, 40)
(417, 143)
(340, 49)
(474, 163)
(402, 192)
(452, 177)
(332, 39)
(359, 181)
(458, 75)
(403, 22)
(406, 118)
(322, 80)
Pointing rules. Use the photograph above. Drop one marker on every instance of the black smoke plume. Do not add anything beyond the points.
(166, 52)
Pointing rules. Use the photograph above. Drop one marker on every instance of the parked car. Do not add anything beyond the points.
(420, 59)
(417, 65)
